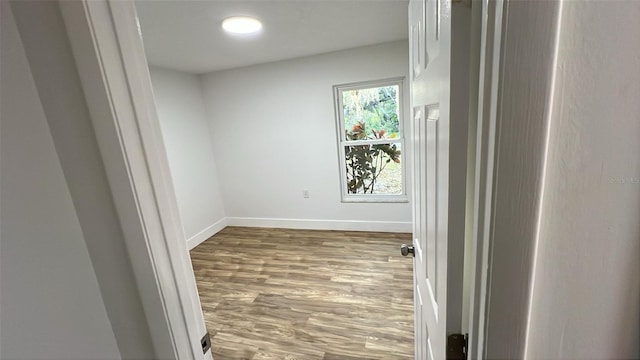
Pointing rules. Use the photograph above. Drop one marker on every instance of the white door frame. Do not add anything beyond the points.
(107, 47)
(490, 39)
(518, 58)
(511, 145)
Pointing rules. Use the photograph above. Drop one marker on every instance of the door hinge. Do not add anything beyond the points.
(205, 342)
(457, 346)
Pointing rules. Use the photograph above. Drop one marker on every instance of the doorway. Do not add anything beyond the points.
(161, 221)
(254, 145)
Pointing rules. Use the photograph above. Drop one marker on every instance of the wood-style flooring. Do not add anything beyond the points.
(304, 294)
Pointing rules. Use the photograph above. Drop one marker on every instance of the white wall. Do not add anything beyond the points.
(59, 89)
(586, 295)
(274, 135)
(51, 305)
(187, 137)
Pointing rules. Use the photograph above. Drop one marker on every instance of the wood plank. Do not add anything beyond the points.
(306, 294)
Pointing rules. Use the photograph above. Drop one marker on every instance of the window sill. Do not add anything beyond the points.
(390, 199)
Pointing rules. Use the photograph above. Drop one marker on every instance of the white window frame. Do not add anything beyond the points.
(343, 142)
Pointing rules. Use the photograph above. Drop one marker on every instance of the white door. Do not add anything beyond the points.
(438, 250)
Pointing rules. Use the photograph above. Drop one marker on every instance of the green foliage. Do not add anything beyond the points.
(366, 162)
(377, 108)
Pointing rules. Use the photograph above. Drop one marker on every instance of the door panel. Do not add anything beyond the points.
(431, 166)
(416, 34)
(438, 257)
(432, 27)
(418, 238)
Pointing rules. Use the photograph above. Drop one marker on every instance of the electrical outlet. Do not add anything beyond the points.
(305, 193)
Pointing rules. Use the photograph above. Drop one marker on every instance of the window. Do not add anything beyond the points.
(370, 141)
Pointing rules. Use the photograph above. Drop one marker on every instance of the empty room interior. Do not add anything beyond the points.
(294, 237)
(311, 179)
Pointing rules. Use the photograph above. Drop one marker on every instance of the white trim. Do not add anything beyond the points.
(370, 142)
(322, 224)
(205, 234)
(475, 45)
(370, 83)
(515, 140)
(303, 224)
(488, 81)
(354, 198)
(342, 142)
(113, 69)
(547, 132)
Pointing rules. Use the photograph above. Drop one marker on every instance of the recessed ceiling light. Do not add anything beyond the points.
(242, 25)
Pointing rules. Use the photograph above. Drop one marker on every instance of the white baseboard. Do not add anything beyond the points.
(308, 224)
(345, 225)
(203, 235)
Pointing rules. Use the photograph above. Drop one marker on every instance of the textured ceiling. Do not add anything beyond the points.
(187, 36)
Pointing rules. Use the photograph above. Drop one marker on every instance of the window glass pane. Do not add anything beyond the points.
(374, 169)
(371, 113)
